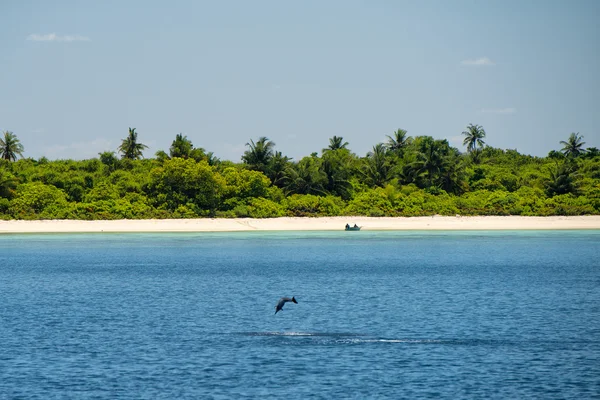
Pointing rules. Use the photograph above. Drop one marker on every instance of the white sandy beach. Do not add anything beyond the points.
(304, 224)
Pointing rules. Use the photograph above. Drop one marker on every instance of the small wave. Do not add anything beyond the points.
(343, 338)
(408, 341)
(293, 333)
(289, 334)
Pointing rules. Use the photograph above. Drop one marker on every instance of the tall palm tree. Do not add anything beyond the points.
(259, 155)
(10, 146)
(452, 176)
(181, 146)
(337, 168)
(474, 137)
(399, 141)
(573, 147)
(336, 143)
(277, 169)
(130, 148)
(431, 163)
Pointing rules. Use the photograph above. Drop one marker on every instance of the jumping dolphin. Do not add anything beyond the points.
(282, 301)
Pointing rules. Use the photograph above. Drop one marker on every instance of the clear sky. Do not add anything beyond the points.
(75, 75)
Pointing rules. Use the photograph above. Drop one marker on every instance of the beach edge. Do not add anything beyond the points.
(305, 224)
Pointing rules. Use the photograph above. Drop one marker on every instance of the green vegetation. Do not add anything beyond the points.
(407, 176)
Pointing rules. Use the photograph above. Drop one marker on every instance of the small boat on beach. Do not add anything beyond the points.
(352, 228)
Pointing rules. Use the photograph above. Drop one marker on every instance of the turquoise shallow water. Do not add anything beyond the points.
(379, 315)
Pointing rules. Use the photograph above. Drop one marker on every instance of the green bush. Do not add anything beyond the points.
(184, 212)
(243, 184)
(567, 204)
(472, 203)
(487, 184)
(182, 181)
(501, 203)
(592, 193)
(264, 208)
(4, 205)
(102, 191)
(372, 203)
(308, 205)
(36, 200)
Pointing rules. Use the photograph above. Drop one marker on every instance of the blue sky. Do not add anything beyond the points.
(74, 75)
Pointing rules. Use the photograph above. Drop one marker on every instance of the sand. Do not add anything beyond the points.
(304, 224)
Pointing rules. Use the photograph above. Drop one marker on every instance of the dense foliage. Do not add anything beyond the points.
(407, 176)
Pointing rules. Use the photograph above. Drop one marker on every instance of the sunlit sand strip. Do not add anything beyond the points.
(304, 224)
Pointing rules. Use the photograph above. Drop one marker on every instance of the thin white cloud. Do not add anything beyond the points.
(508, 110)
(53, 37)
(478, 62)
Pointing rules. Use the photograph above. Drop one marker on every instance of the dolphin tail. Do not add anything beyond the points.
(294, 300)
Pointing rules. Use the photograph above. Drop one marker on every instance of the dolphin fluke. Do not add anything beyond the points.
(282, 302)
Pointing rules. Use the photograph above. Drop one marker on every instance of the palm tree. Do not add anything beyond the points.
(399, 141)
(199, 154)
(162, 156)
(452, 176)
(573, 147)
(592, 152)
(181, 147)
(130, 148)
(306, 178)
(259, 155)
(337, 168)
(277, 169)
(336, 143)
(562, 179)
(474, 137)
(10, 147)
(431, 163)
(377, 169)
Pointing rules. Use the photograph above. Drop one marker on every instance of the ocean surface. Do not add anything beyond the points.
(398, 315)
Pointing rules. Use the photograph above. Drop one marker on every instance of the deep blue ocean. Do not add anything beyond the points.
(398, 315)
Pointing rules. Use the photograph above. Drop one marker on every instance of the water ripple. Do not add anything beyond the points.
(470, 315)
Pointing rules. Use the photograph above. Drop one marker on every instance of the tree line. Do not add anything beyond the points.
(404, 176)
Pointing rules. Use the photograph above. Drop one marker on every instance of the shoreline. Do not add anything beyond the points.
(590, 222)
